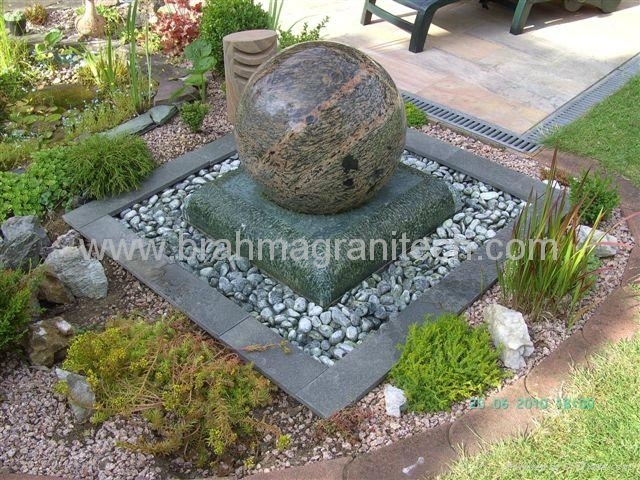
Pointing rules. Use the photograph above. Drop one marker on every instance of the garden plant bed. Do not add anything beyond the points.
(371, 428)
(324, 389)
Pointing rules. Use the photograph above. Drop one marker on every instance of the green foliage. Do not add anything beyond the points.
(597, 193)
(445, 361)
(222, 17)
(102, 165)
(287, 38)
(15, 305)
(275, 9)
(101, 116)
(107, 69)
(198, 397)
(192, 114)
(45, 51)
(45, 185)
(198, 53)
(415, 117)
(27, 120)
(15, 154)
(283, 442)
(547, 272)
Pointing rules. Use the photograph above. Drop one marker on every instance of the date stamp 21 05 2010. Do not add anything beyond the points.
(530, 403)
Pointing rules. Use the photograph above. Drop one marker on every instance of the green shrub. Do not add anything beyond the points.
(222, 17)
(287, 38)
(198, 397)
(546, 271)
(192, 114)
(597, 193)
(103, 166)
(445, 361)
(415, 117)
(45, 185)
(16, 309)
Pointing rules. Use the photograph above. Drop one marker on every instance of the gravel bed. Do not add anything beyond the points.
(328, 334)
(38, 435)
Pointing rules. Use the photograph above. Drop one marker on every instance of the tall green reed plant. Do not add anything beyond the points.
(547, 271)
(141, 100)
(275, 9)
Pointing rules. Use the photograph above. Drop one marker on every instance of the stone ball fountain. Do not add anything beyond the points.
(320, 127)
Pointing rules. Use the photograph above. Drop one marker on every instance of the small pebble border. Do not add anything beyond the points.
(327, 334)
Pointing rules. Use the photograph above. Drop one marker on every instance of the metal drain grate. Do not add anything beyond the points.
(579, 105)
(530, 140)
(471, 124)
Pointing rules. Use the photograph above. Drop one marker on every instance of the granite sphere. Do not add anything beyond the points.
(320, 127)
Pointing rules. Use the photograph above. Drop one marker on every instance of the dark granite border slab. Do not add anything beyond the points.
(323, 389)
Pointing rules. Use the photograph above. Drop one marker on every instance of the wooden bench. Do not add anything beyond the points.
(424, 14)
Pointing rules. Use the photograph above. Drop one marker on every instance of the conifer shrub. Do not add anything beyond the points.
(197, 396)
(445, 361)
(103, 165)
(16, 308)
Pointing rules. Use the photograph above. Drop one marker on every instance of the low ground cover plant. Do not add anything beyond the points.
(547, 272)
(444, 361)
(197, 396)
(415, 117)
(36, 14)
(598, 194)
(44, 186)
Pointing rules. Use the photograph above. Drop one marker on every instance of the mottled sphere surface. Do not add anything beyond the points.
(320, 127)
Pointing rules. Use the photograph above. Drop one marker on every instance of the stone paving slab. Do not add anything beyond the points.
(323, 390)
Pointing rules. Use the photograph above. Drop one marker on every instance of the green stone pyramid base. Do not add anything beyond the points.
(292, 247)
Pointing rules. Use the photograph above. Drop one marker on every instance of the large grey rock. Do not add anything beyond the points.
(84, 277)
(47, 341)
(81, 398)
(605, 244)
(394, 400)
(23, 243)
(509, 331)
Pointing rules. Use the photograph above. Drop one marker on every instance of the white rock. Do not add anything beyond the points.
(606, 244)
(394, 400)
(509, 331)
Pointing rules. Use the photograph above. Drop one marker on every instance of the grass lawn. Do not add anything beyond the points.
(601, 443)
(609, 133)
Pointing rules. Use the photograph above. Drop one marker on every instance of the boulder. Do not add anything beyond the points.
(509, 331)
(47, 341)
(394, 400)
(80, 396)
(85, 277)
(606, 244)
(24, 241)
(52, 290)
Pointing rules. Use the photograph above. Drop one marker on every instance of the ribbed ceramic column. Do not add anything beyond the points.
(244, 52)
